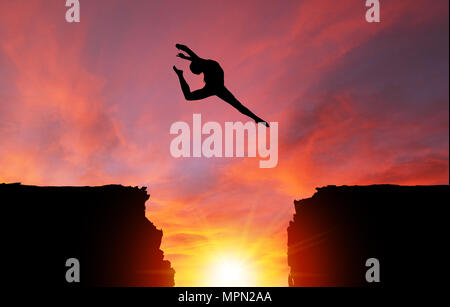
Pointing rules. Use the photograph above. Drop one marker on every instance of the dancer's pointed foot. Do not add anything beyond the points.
(178, 71)
(264, 123)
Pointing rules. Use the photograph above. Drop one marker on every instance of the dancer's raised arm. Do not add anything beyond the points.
(183, 56)
(191, 53)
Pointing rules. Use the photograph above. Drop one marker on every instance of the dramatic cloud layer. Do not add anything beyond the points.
(92, 103)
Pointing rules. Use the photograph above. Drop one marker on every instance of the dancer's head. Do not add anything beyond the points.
(196, 67)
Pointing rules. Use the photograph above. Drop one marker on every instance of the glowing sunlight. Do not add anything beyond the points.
(230, 271)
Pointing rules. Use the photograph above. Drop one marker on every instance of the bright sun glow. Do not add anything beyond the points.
(229, 272)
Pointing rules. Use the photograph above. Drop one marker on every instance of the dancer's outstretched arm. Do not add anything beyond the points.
(183, 56)
(191, 53)
(188, 95)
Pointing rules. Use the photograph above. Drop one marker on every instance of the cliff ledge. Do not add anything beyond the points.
(104, 227)
(335, 231)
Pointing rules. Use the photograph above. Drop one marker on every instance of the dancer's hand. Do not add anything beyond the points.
(178, 71)
(180, 46)
(191, 54)
(183, 56)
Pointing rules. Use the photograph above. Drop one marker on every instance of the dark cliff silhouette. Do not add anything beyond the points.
(214, 82)
(335, 231)
(105, 228)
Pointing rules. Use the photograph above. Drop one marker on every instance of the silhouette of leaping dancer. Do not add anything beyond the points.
(214, 82)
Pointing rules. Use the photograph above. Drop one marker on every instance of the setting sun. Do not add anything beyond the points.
(229, 271)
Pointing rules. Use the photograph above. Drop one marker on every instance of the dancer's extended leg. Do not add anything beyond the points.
(227, 96)
(195, 95)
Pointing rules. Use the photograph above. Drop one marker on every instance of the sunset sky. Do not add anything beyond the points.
(91, 103)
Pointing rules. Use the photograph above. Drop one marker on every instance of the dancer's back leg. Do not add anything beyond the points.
(227, 96)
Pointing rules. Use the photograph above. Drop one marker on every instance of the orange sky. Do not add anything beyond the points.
(92, 104)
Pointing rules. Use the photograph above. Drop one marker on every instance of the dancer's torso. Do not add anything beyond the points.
(213, 73)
